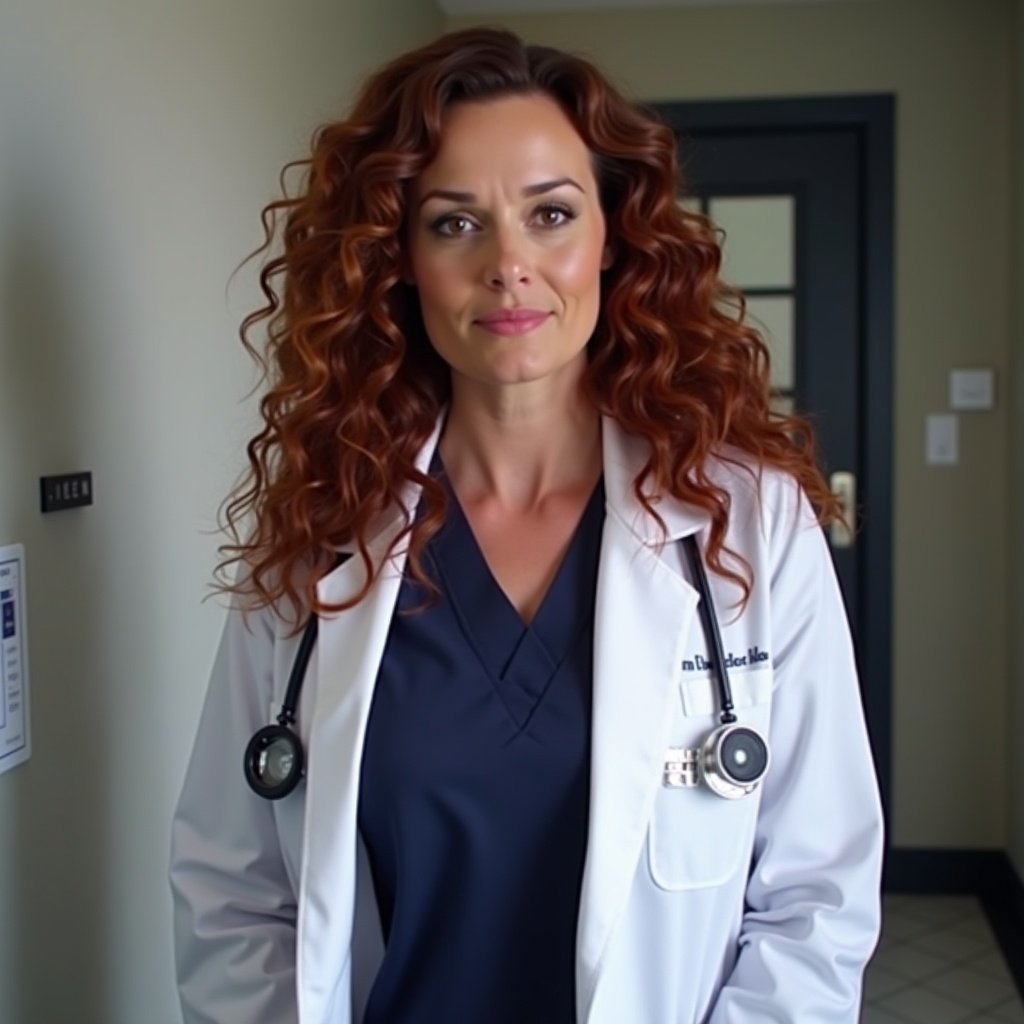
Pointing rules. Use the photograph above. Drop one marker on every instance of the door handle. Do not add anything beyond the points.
(843, 485)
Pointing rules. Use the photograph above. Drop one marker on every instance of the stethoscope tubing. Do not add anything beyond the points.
(709, 620)
(298, 673)
(281, 739)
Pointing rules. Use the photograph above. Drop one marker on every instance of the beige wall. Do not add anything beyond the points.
(142, 142)
(1015, 468)
(948, 62)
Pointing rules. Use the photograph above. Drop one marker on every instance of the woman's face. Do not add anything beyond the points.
(507, 242)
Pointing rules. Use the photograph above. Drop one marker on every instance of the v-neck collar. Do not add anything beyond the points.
(501, 637)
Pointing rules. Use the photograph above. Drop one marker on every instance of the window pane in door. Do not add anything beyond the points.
(772, 317)
(758, 246)
(784, 404)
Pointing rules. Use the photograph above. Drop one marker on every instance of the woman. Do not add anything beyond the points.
(507, 390)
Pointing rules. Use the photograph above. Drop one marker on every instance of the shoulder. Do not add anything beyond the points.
(760, 496)
(249, 612)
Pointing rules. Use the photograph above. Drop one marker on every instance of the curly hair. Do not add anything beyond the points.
(354, 388)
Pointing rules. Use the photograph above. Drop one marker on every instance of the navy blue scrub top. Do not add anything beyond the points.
(474, 789)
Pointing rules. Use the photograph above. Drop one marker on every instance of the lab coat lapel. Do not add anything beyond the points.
(346, 661)
(644, 612)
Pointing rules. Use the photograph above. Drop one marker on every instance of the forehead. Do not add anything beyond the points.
(514, 137)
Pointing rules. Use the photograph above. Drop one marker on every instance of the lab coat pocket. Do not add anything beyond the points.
(698, 839)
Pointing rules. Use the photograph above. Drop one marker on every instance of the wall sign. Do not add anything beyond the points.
(15, 745)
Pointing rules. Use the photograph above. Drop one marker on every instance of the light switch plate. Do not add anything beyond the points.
(972, 390)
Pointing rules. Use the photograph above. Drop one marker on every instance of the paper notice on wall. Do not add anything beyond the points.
(14, 725)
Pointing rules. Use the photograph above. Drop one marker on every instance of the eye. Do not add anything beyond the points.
(554, 215)
(452, 225)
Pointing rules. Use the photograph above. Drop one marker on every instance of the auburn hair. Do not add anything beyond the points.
(354, 387)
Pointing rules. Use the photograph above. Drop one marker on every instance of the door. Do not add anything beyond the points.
(802, 193)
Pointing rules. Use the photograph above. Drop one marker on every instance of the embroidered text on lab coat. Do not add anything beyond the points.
(701, 663)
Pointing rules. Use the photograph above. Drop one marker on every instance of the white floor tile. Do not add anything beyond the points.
(992, 963)
(902, 927)
(978, 926)
(879, 982)
(908, 962)
(952, 943)
(1011, 1012)
(885, 944)
(939, 910)
(923, 1006)
(982, 991)
(876, 1015)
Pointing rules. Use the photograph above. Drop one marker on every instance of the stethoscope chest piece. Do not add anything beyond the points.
(274, 761)
(731, 762)
(734, 760)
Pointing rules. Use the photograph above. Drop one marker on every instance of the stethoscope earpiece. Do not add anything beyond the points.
(274, 761)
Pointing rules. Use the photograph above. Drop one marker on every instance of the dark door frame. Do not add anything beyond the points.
(872, 117)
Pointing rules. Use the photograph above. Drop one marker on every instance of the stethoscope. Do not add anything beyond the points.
(731, 761)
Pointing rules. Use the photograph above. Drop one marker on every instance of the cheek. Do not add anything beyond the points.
(578, 271)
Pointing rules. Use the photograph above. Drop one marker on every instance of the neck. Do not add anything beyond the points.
(520, 445)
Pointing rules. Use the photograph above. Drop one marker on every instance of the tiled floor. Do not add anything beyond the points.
(938, 963)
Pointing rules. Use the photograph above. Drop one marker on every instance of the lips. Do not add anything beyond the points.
(512, 321)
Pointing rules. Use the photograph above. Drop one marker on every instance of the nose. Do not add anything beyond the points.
(508, 265)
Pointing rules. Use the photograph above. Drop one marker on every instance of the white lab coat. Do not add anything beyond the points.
(694, 909)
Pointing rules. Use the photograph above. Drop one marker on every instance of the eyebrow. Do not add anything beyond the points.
(528, 192)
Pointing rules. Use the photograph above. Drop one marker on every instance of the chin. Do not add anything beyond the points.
(526, 366)
(523, 373)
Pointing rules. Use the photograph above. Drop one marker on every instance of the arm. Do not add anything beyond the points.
(812, 903)
(234, 907)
